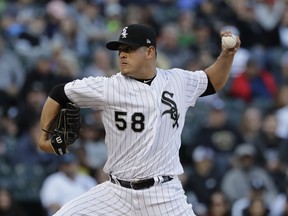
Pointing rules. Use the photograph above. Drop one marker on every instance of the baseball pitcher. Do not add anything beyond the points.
(143, 111)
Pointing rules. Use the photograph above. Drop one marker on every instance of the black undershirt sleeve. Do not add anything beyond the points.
(209, 90)
(58, 94)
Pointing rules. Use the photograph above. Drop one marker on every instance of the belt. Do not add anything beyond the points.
(140, 184)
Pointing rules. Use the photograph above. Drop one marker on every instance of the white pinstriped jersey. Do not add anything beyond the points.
(143, 122)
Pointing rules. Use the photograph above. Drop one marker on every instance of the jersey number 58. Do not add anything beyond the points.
(137, 120)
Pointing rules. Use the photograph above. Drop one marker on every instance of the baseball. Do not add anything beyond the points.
(229, 41)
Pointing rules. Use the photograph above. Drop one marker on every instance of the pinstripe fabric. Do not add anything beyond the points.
(108, 199)
(143, 125)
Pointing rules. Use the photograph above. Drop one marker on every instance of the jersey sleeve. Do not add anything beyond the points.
(195, 85)
(86, 92)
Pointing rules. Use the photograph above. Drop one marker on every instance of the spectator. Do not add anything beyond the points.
(8, 206)
(101, 64)
(55, 11)
(242, 15)
(28, 154)
(268, 14)
(219, 135)
(12, 76)
(257, 207)
(282, 112)
(186, 22)
(31, 167)
(279, 206)
(32, 41)
(218, 205)
(208, 11)
(64, 185)
(254, 83)
(250, 123)
(267, 141)
(113, 12)
(40, 74)
(29, 107)
(8, 134)
(204, 178)
(64, 62)
(72, 38)
(269, 150)
(141, 13)
(92, 153)
(205, 39)
(169, 46)
(283, 69)
(277, 60)
(92, 24)
(236, 182)
(166, 11)
(245, 205)
(283, 27)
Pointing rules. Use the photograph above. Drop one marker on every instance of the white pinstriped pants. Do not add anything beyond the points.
(108, 199)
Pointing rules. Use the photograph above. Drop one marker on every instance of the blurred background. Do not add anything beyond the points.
(234, 143)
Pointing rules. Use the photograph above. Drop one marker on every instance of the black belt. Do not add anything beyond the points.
(140, 184)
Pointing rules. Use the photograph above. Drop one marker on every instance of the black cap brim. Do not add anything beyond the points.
(114, 45)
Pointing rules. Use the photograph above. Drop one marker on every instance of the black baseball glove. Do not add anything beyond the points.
(67, 129)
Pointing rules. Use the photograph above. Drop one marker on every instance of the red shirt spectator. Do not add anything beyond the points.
(254, 83)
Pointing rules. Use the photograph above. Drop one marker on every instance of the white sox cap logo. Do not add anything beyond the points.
(124, 32)
(135, 35)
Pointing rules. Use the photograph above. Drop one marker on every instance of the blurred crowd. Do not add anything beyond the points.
(234, 143)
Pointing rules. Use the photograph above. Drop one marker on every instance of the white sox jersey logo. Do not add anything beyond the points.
(173, 111)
